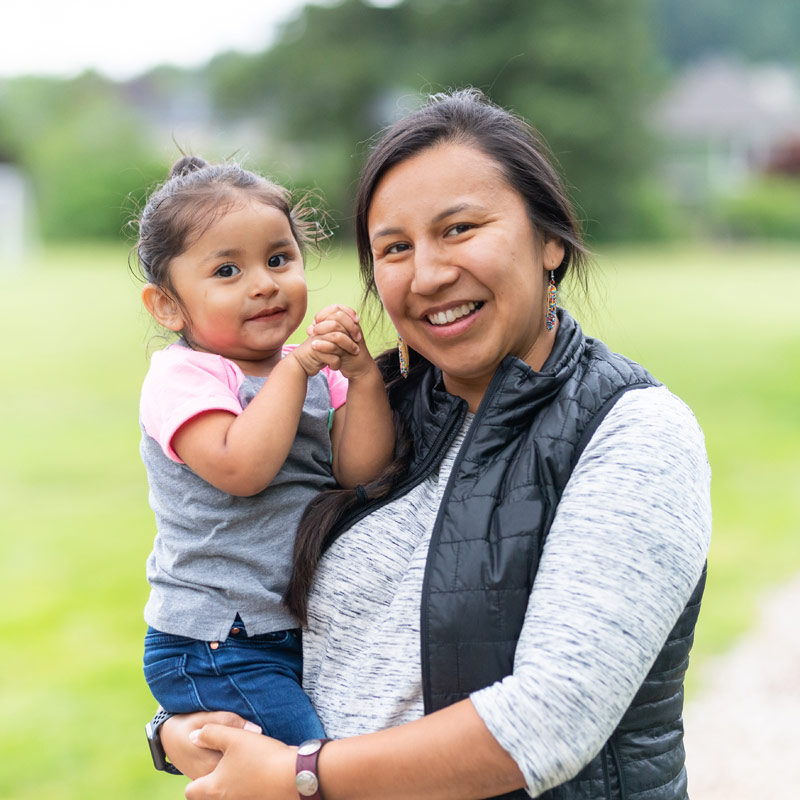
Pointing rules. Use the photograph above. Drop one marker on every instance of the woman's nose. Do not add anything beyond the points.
(432, 272)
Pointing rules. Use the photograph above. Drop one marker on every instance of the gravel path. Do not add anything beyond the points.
(743, 727)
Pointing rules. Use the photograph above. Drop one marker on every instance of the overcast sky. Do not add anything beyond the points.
(123, 39)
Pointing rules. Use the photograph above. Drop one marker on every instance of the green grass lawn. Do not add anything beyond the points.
(719, 326)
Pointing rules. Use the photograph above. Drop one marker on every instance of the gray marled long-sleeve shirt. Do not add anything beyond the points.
(623, 555)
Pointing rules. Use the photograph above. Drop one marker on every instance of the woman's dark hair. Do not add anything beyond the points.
(467, 117)
(192, 198)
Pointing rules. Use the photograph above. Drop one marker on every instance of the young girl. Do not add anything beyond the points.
(239, 432)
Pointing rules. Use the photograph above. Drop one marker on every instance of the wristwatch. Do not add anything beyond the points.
(306, 778)
(154, 740)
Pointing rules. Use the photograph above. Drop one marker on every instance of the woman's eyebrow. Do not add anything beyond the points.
(457, 209)
(448, 212)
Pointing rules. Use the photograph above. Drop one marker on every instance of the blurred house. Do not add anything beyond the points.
(724, 121)
(15, 215)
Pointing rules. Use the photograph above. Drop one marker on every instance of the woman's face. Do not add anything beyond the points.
(458, 266)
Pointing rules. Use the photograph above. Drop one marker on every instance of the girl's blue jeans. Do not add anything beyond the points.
(258, 677)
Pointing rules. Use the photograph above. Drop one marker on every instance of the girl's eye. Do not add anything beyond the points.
(277, 261)
(227, 271)
(400, 247)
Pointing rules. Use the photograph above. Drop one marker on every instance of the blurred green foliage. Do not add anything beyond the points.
(579, 70)
(764, 31)
(766, 208)
(584, 72)
(85, 151)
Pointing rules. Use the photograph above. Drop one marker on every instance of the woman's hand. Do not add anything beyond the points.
(191, 760)
(338, 337)
(248, 766)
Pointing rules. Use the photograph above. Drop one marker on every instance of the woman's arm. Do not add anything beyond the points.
(622, 558)
(448, 755)
(362, 436)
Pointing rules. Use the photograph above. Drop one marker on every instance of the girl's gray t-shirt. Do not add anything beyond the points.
(217, 555)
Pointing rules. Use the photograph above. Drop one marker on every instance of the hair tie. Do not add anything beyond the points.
(361, 494)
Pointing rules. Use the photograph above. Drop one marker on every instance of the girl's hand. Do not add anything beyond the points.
(191, 760)
(317, 352)
(250, 767)
(337, 333)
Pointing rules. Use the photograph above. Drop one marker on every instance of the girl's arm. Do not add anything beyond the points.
(362, 436)
(241, 454)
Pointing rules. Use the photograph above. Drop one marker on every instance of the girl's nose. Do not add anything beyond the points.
(263, 283)
(432, 271)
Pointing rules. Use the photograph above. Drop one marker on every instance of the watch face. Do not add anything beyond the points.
(306, 783)
(309, 747)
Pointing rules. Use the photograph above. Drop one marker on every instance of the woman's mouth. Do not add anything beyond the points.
(452, 314)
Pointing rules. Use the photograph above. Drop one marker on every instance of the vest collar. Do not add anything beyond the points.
(514, 395)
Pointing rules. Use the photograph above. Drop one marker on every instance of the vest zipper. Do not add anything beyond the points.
(612, 746)
(437, 527)
(606, 775)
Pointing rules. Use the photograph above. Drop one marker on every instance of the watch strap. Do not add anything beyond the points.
(306, 779)
(153, 727)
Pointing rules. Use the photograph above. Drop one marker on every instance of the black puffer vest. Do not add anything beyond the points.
(500, 500)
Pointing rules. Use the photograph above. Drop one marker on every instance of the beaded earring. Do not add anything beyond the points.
(550, 319)
(402, 354)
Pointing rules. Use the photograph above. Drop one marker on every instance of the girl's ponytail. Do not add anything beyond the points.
(185, 165)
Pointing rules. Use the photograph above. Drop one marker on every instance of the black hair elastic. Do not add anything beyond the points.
(361, 494)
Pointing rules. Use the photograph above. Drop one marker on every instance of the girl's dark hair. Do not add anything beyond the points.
(467, 117)
(192, 198)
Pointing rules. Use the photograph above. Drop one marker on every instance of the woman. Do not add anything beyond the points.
(511, 608)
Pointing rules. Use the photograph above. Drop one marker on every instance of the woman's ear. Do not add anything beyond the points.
(553, 254)
(164, 309)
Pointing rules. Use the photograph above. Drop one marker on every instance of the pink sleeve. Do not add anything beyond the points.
(337, 385)
(181, 384)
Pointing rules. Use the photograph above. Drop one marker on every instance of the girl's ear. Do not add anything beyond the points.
(164, 309)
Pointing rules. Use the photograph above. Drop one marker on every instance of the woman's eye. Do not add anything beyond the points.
(277, 261)
(400, 247)
(227, 271)
(461, 227)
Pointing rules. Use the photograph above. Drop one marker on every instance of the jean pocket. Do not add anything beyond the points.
(171, 684)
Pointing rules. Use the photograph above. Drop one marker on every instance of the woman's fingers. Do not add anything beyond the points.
(335, 342)
(249, 768)
(340, 318)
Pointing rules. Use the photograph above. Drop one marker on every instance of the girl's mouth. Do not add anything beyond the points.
(452, 314)
(267, 313)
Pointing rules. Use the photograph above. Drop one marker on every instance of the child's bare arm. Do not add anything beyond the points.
(241, 454)
(362, 436)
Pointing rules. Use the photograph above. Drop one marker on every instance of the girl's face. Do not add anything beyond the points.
(241, 286)
(459, 267)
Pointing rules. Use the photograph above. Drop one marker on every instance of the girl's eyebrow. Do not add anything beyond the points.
(442, 215)
(227, 253)
(232, 252)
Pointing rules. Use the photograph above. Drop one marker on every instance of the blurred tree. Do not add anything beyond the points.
(578, 69)
(84, 150)
(688, 30)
